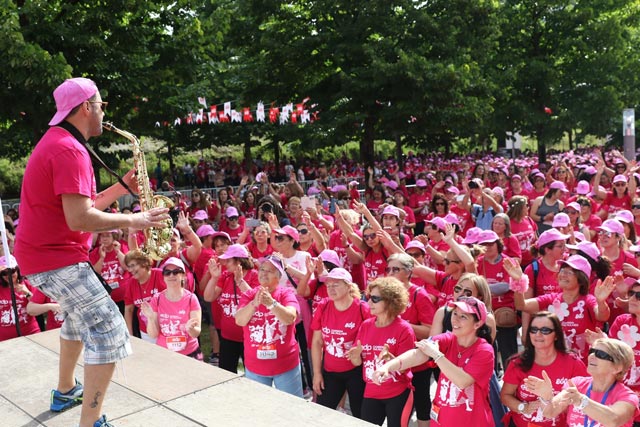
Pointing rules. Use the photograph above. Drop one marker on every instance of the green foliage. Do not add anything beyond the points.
(11, 173)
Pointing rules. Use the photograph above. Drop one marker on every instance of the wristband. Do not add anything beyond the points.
(438, 357)
(273, 305)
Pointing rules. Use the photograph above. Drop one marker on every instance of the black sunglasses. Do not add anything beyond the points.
(465, 292)
(167, 272)
(7, 271)
(370, 236)
(601, 354)
(544, 330)
(374, 298)
(448, 261)
(232, 218)
(635, 206)
(303, 231)
(633, 294)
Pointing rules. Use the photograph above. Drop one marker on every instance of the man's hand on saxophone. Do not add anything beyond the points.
(154, 217)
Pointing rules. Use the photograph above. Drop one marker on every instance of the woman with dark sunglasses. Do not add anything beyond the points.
(465, 358)
(379, 339)
(174, 315)
(577, 309)
(544, 350)
(600, 399)
(23, 291)
(311, 240)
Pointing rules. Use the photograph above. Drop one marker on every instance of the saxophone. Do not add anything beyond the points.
(157, 239)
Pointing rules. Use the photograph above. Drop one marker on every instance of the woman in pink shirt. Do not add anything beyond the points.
(23, 292)
(174, 315)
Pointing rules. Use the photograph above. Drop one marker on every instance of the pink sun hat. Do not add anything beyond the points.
(416, 244)
(288, 230)
(561, 220)
(235, 251)
(329, 255)
(200, 215)
(612, 226)
(488, 236)
(205, 230)
(624, 216)
(579, 263)
(549, 236)
(558, 185)
(339, 273)
(438, 222)
(588, 248)
(391, 210)
(174, 261)
(472, 235)
(70, 94)
(583, 188)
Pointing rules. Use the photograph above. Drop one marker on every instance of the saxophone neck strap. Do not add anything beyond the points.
(77, 135)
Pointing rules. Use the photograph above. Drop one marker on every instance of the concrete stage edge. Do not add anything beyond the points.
(153, 387)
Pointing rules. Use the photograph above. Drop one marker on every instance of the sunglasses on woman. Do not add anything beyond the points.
(167, 272)
(466, 292)
(374, 298)
(544, 330)
(601, 354)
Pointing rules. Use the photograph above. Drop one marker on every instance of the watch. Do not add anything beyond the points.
(583, 402)
(273, 305)
(521, 407)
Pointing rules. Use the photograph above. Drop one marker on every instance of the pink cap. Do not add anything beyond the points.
(259, 176)
(499, 191)
(612, 226)
(235, 251)
(277, 263)
(136, 208)
(438, 222)
(329, 255)
(634, 248)
(579, 263)
(354, 183)
(200, 215)
(453, 189)
(558, 185)
(174, 261)
(288, 230)
(221, 234)
(205, 230)
(70, 94)
(392, 185)
(401, 175)
(421, 183)
(573, 205)
(472, 236)
(231, 211)
(538, 175)
(588, 248)
(551, 235)
(561, 220)
(580, 237)
(391, 210)
(471, 305)
(624, 216)
(339, 274)
(487, 236)
(478, 181)
(516, 176)
(583, 188)
(591, 170)
(416, 244)
(620, 178)
(7, 262)
(338, 187)
(452, 218)
(313, 191)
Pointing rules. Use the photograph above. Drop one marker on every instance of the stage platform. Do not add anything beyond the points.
(153, 387)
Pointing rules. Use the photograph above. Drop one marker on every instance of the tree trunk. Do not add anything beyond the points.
(367, 154)
(542, 147)
(399, 151)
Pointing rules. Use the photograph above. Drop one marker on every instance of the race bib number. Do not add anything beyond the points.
(177, 343)
(114, 284)
(435, 411)
(267, 352)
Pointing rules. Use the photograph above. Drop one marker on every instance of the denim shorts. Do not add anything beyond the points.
(91, 316)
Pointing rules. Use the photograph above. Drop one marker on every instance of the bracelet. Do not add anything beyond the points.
(438, 357)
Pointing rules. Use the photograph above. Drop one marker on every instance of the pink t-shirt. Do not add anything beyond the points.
(470, 406)
(28, 324)
(136, 293)
(357, 270)
(399, 337)
(619, 393)
(228, 301)
(270, 346)
(546, 282)
(613, 203)
(512, 247)
(172, 317)
(564, 367)
(112, 272)
(495, 273)
(525, 232)
(54, 320)
(339, 330)
(625, 328)
(375, 264)
(575, 318)
(58, 165)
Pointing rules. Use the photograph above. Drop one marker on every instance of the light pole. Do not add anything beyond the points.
(629, 133)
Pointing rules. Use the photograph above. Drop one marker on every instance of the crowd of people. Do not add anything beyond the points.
(436, 269)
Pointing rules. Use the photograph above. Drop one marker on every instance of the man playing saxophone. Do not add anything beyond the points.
(58, 211)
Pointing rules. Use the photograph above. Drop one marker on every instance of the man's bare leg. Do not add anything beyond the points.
(69, 355)
(96, 381)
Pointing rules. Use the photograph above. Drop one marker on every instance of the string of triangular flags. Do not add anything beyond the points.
(224, 113)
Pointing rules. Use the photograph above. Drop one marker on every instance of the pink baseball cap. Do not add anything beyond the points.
(313, 191)
(416, 244)
(591, 170)
(577, 262)
(580, 237)
(516, 176)
(353, 183)
(339, 274)
(7, 262)
(391, 210)
(583, 188)
(487, 236)
(288, 230)
(573, 205)
(588, 248)
(452, 218)
(277, 263)
(453, 189)
(620, 178)
(235, 251)
(392, 185)
(624, 216)
(471, 305)
(231, 211)
(70, 94)
(538, 175)
(561, 220)
(612, 226)
(205, 230)
(221, 234)
(472, 235)
(401, 175)
(421, 183)
(259, 176)
(438, 222)
(329, 255)
(551, 235)
(174, 261)
(558, 185)
(499, 191)
(200, 215)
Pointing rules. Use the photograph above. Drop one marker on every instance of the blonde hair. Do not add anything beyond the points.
(621, 352)
(393, 293)
(350, 216)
